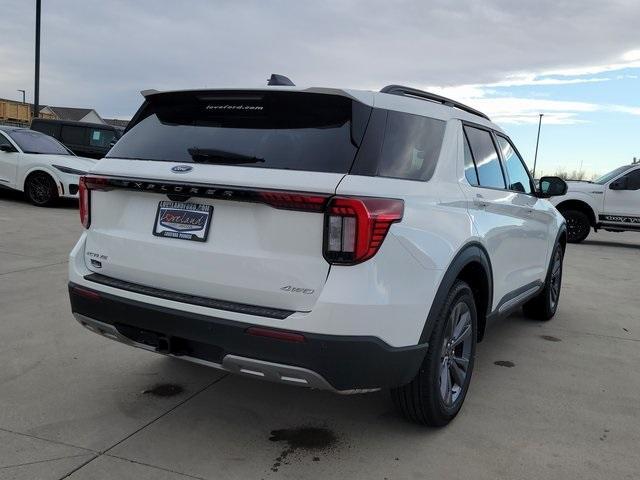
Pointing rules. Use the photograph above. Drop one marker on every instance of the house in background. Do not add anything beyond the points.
(16, 113)
(116, 122)
(88, 115)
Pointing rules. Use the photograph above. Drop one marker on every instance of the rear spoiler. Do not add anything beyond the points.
(362, 96)
(146, 93)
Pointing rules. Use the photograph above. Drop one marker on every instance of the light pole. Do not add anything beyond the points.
(36, 90)
(23, 95)
(535, 158)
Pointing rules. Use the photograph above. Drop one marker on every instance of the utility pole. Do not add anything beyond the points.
(23, 95)
(535, 158)
(36, 90)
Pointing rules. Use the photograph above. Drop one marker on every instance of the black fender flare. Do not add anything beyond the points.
(562, 230)
(470, 253)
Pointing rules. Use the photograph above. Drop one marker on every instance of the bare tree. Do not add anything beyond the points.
(574, 174)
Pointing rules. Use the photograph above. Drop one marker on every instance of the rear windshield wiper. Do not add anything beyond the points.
(208, 155)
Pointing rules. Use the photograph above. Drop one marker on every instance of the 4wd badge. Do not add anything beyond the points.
(306, 291)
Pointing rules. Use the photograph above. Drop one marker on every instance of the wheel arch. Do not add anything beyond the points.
(472, 265)
(41, 169)
(562, 237)
(580, 205)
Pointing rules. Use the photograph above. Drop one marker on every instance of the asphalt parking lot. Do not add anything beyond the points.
(561, 402)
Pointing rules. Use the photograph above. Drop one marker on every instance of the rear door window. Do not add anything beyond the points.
(486, 158)
(411, 146)
(519, 179)
(48, 128)
(469, 166)
(633, 180)
(99, 137)
(73, 135)
(281, 130)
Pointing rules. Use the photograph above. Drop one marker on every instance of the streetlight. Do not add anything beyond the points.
(23, 95)
(535, 158)
(36, 90)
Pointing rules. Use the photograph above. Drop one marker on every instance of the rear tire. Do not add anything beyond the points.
(40, 189)
(434, 397)
(544, 305)
(578, 225)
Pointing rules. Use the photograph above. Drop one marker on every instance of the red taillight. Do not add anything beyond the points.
(356, 227)
(86, 184)
(85, 214)
(294, 201)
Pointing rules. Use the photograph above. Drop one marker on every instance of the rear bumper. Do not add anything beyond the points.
(346, 364)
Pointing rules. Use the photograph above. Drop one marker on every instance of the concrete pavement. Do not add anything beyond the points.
(75, 405)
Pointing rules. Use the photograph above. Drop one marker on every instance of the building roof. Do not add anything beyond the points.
(68, 113)
(116, 122)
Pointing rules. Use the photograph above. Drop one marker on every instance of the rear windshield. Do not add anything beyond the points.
(284, 130)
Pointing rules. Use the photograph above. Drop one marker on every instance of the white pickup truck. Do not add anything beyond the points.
(612, 202)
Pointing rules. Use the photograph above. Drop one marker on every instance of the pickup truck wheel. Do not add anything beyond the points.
(578, 225)
(434, 397)
(544, 305)
(40, 189)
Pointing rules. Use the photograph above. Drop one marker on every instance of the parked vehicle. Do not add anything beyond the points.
(91, 140)
(39, 166)
(611, 202)
(335, 239)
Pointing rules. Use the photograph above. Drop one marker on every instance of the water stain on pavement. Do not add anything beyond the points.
(504, 363)
(550, 338)
(314, 439)
(164, 390)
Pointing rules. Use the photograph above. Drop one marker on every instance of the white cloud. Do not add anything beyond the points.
(101, 54)
(510, 110)
(629, 59)
(625, 109)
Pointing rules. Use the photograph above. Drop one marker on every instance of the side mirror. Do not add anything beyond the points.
(619, 184)
(7, 148)
(552, 187)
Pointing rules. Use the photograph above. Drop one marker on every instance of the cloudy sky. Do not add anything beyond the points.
(576, 61)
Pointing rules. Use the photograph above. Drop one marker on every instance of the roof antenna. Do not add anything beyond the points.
(279, 80)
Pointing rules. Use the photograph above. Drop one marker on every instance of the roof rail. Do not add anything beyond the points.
(432, 97)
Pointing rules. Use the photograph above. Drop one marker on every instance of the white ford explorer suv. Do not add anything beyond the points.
(336, 239)
(611, 202)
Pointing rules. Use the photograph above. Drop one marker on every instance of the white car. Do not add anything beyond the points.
(335, 239)
(611, 202)
(39, 165)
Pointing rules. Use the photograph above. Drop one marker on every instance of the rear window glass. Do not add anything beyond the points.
(283, 130)
(52, 129)
(73, 135)
(101, 138)
(411, 146)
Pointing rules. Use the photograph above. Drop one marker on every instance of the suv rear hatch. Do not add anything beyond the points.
(218, 194)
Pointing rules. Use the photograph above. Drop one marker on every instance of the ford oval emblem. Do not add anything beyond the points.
(181, 169)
